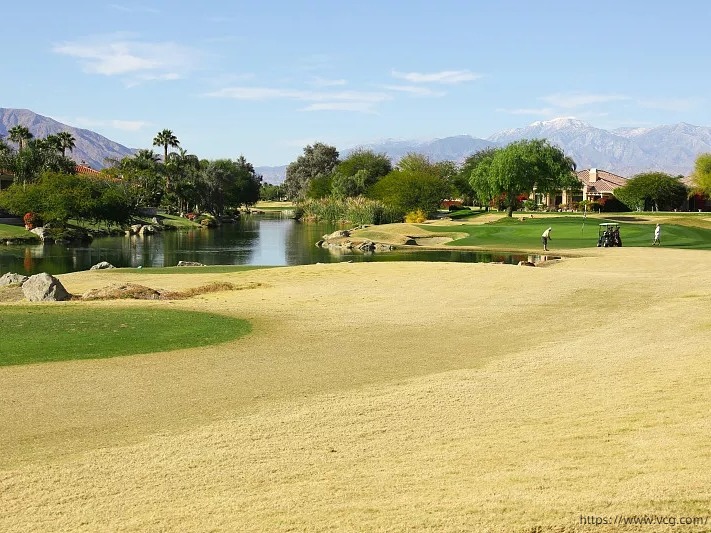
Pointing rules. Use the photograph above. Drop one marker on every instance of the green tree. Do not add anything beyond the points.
(20, 135)
(270, 193)
(317, 160)
(185, 169)
(229, 184)
(701, 177)
(417, 184)
(524, 165)
(166, 139)
(66, 142)
(652, 190)
(358, 172)
(36, 156)
(142, 174)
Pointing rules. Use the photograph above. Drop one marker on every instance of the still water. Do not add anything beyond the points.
(255, 240)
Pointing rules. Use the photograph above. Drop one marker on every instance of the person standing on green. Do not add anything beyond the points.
(657, 236)
(545, 238)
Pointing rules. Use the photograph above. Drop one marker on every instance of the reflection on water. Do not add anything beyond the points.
(254, 240)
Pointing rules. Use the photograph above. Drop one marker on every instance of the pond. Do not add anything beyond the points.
(271, 239)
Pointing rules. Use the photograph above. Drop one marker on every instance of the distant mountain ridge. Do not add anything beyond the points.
(624, 151)
(91, 147)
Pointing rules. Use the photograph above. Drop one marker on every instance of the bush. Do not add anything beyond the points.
(357, 210)
(416, 217)
(31, 220)
(530, 205)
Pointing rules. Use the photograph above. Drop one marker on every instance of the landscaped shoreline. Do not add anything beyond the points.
(365, 388)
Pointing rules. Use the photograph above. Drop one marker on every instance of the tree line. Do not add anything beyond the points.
(416, 184)
(503, 178)
(46, 181)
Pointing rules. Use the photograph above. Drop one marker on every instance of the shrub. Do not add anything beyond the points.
(357, 210)
(530, 205)
(416, 217)
(31, 220)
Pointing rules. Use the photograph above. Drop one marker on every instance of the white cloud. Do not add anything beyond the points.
(574, 100)
(671, 104)
(323, 82)
(448, 77)
(129, 58)
(129, 125)
(543, 111)
(414, 90)
(358, 101)
(89, 123)
(133, 9)
(357, 107)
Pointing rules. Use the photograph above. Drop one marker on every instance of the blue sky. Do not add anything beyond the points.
(264, 79)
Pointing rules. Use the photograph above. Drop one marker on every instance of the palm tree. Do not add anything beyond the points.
(20, 135)
(165, 139)
(66, 141)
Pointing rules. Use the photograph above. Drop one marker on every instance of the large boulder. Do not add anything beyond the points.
(103, 265)
(44, 288)
(10, 278)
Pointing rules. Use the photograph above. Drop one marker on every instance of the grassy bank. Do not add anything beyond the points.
(16, 233)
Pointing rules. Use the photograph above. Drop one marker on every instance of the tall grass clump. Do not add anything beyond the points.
(357, 210)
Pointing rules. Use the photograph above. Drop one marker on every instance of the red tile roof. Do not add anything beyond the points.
(606, 181)
(85, 169)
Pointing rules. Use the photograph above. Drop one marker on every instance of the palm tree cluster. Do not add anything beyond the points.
(34, 156)
(181, 182)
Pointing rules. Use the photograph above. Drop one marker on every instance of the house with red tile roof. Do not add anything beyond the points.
(594, 185)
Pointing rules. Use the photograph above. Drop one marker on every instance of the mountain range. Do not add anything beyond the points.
(91, 148)
(624, 151)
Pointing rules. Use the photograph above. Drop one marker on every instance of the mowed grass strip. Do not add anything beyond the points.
(570, 232)
(37, 334)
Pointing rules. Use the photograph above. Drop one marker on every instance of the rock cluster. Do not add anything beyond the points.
(102, 265)
(341, 240)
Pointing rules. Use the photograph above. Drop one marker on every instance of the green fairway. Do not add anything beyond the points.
(34, 334)
(571, 232)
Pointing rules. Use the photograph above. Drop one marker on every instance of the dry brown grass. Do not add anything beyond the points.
(383, 396)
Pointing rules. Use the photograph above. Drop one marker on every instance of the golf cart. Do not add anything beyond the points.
(609, 235)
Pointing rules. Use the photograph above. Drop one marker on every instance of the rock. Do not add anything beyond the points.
(10, 278)
(102, 266)
(190, 264)
(40, 232)
(526, 263)
(348, 245)
(337, 234)
(122, 291)
(319, 243)
(147, 230)
(411, 241)
(157, 221)
(367, 246)
(44, 288)
(135, 229)
(382, 247)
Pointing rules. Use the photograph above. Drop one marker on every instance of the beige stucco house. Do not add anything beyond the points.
(594, 184)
